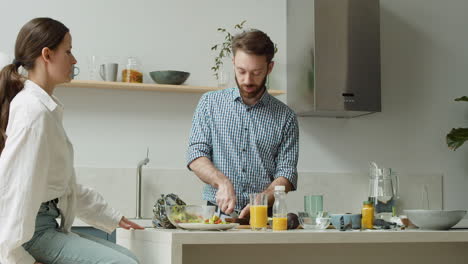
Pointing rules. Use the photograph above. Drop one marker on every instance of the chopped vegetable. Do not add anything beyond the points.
(215, 220)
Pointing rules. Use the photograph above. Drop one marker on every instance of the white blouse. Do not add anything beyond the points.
(36, 166)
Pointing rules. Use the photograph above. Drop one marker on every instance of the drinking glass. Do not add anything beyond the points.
(313, 204)
(223, 79)
(93, 67)
(258, 211)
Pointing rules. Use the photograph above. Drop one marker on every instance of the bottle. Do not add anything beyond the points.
(280, 214)
(132, 72)
(367, 211)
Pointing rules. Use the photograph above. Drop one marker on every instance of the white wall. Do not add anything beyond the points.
(424, 65)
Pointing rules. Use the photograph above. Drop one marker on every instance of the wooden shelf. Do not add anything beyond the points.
(148, 87)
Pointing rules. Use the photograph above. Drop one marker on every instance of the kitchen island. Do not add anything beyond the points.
(173, 246)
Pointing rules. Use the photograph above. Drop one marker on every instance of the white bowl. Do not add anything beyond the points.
(434, 219)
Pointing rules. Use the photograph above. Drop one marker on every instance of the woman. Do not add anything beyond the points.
(37, 178)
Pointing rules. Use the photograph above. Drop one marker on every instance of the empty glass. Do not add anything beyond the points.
(223, 79)
(313, 204)
(93, 67)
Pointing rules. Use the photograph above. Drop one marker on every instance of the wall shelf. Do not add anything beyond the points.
(148, 87)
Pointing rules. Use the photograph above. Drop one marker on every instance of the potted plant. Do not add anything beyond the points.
(457, 136)
(224, 49)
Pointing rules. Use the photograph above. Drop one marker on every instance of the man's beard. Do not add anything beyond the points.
(256, 92)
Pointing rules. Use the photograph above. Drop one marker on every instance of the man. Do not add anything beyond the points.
(243, 140)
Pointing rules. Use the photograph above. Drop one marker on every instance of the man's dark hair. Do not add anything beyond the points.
(254, 42)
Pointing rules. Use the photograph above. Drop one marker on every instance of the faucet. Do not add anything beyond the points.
(138, 185)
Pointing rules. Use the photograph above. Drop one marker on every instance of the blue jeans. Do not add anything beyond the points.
(51, 246)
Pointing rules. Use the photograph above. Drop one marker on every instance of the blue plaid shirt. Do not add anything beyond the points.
(251, 145)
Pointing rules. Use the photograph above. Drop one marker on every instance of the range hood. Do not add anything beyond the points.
(333, 57)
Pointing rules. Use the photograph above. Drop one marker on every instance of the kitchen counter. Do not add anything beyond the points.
(294, 246)
(143, 222)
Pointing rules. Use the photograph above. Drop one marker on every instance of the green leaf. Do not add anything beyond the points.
(457, 137)
(239, 26)
(214, 47)
(464, 98)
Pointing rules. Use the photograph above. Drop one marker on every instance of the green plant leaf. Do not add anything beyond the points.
(464, 98)
(457, 137)
(224, 47)
(241, 25)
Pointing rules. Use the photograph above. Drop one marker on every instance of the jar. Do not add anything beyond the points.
(132, 72)
(367, 221)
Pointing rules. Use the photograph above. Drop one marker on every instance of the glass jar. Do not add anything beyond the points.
(132, 72)
(367, 220)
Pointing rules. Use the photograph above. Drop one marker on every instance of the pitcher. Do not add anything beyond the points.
(383, 191)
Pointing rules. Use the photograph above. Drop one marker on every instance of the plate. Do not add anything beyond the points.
(200, 226)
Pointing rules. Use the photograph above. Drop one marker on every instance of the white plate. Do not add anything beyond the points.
(200, 226)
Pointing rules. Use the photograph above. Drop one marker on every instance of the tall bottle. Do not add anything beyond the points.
(280, 214)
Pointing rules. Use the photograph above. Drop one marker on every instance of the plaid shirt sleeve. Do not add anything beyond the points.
(200, 141)
(288, 153)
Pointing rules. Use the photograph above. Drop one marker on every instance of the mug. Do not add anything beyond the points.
(74, 72)
(344, 222)
(108, 71)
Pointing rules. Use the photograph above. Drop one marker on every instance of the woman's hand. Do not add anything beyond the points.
(127, 224)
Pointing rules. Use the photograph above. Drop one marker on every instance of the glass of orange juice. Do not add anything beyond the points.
(258, 211)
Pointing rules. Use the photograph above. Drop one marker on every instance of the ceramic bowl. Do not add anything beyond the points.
(346, 221)
(434, 219)
(169, 77)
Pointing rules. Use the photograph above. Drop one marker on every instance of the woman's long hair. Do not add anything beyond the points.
(35, 35)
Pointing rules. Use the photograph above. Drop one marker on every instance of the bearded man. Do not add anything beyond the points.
(243, 140)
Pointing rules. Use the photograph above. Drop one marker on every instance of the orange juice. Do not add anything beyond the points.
(258, 217)
(280, 223)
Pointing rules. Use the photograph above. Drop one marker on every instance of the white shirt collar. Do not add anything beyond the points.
(51, 102)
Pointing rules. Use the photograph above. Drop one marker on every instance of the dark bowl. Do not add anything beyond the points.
(169, 77)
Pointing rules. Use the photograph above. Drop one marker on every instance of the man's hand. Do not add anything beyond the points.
(127, 224)
(226, 197)
(245, 212)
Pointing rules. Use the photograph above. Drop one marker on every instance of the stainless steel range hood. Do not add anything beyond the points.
(333, 57)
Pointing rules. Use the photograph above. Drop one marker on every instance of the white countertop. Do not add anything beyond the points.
(142, 222)
(300, 236)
